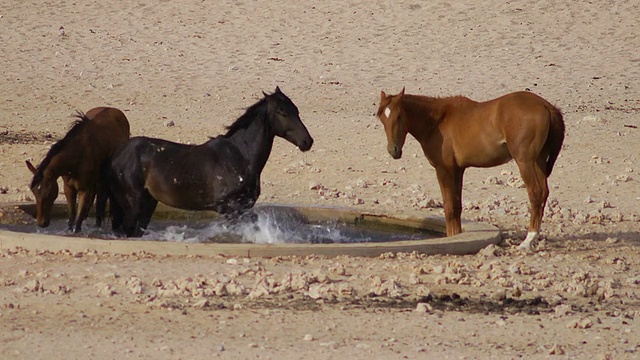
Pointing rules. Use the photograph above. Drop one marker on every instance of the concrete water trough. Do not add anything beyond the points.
(379, 233)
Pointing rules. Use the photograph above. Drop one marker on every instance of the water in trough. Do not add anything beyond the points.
(268, 225)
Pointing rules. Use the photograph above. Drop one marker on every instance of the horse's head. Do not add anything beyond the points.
(285, 120)
(392, 115)
(45, 189)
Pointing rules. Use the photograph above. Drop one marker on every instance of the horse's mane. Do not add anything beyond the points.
(436, 106)
(75, 127)
(256, 110)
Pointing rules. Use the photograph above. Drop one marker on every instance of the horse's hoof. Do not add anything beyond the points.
(532, 237)
(525, 248)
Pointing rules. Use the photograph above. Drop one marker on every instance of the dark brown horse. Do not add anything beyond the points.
(222, 174)
(456, 133)
(78, 158)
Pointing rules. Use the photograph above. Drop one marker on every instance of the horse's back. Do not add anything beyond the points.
(489, 133)
(523, 100)
(149, 152)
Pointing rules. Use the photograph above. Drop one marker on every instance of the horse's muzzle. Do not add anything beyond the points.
(306, 144)
(395, 152)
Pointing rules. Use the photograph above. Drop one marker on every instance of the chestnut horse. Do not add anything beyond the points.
(222, 174)
(78, 159)
(456, 133)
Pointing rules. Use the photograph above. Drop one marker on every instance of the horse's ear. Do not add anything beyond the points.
(278, 90)
(383, 95)
(402, 92)
(265, 94)
(31, 167)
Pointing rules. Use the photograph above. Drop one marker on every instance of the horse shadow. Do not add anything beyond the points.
(622, 237)
(612, 239)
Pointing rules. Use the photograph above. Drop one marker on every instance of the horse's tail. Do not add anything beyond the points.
(555, 136)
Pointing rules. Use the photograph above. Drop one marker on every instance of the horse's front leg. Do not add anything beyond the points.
(86, 201)
(71, 193)
(450, 181)
(102, 194)
(147, 207)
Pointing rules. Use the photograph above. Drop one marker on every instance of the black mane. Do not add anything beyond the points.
(257, 110)
(75, 128)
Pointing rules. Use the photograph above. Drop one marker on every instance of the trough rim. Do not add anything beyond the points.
(475, 236)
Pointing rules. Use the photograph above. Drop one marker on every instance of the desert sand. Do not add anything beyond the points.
(197, 65)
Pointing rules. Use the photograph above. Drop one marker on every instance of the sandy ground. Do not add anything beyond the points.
(200, 63)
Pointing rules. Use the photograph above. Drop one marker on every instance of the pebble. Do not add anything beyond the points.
(556, 350)
(330, 344)
(315, 186)
(611, 240)
(424, 308)
(201, 303)
(594, 119)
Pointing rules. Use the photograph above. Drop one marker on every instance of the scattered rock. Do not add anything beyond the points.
(330, 344)
(315, 186)
(595, 119)
(493, 180)
(491, 251)
(424, 308)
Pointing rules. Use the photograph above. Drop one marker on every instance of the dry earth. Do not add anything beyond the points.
(197, 64)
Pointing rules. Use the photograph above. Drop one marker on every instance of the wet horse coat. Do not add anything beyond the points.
(78, 158)
(222, 174)
(456, 133)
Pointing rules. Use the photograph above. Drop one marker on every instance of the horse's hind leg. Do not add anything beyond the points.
(535, 180)
(86, 201)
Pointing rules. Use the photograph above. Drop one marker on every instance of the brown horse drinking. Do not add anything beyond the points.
(456, 133)
(78, 159)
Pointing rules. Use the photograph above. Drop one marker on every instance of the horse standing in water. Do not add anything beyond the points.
(77, 158)
(222, 175)
(456, 133)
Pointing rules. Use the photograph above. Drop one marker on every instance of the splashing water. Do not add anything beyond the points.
(267, 227)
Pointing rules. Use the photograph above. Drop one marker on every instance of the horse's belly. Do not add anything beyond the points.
(217, 196)
(484, 157)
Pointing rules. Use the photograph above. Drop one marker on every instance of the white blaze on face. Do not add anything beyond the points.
(387, 112)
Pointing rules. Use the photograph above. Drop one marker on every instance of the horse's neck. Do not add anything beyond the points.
(425, 113)
(64, 163)
(255, 143)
